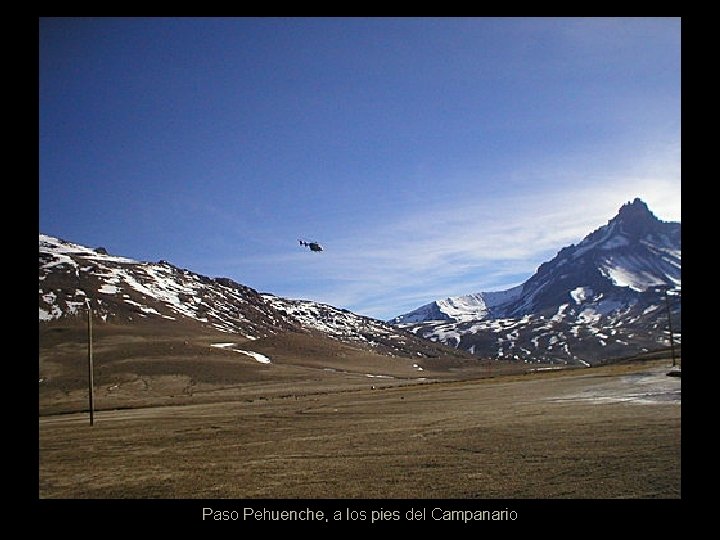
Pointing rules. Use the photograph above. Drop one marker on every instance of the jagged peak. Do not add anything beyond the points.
(634, 249)
(636, 219)
(636, 208)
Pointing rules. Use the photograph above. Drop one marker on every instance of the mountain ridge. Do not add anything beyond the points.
(593, 300)
(122, 290)
(515, 302)
(611, 279)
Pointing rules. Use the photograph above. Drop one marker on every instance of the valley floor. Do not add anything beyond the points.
(606, 432)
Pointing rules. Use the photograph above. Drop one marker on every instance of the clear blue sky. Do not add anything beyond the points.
(431, 157)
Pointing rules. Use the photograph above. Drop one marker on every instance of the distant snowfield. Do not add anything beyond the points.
(465, 308)
(580, 294)
(257, 356)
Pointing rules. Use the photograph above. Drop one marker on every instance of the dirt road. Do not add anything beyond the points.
(609, 432)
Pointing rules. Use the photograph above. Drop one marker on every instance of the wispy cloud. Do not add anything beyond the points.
(481, 240)
(472, 246)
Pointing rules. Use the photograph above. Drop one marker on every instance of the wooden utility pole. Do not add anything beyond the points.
(90, 362)
(672, 338)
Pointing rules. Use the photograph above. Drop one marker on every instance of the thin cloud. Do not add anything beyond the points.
(454, 249)
(472, 249)
(482, 241)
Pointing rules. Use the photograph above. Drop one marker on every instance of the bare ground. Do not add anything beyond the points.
(606, 432)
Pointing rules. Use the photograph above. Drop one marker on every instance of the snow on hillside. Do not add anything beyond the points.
(461, 308)
(633, 252)
(61, 251)
(641, 273)
(335, 322)
(124, 290)
(231, 346)
(596, 299)
(119, 285)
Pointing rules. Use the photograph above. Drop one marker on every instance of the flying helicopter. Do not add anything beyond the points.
(314, 246)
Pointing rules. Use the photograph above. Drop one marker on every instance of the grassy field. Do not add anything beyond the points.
(308, 432)
(137, 366)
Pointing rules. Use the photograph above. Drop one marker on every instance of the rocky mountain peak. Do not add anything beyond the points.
(600, 287)
(637, 206)
(636, 218)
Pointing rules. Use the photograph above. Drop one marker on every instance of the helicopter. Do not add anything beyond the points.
(314, 246)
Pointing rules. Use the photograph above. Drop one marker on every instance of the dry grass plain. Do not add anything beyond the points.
(605, 432)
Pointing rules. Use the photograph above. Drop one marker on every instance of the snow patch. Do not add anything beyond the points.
(257, 356)
(588, 316)
(638, 273)
(580, 294)
(142, 308)
(55, 313)
(560, 315)
(229, 345)
(108, 289)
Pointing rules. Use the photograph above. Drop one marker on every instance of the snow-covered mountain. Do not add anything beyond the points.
(593, 300)
(123, 290)
(606, 288)
(470, 307)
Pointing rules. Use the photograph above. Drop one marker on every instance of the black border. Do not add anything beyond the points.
(580, 516)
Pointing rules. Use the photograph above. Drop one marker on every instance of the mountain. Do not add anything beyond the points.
(597, 299)
(460, 308)
(125, 291)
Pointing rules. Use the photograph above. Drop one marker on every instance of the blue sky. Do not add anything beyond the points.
(431, 157)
